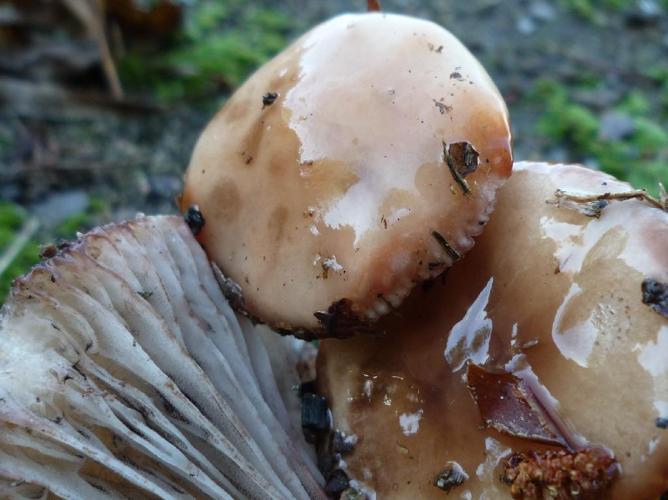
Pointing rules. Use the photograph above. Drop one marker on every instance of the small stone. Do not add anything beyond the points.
(525, 25)
(645, 13)
(542, 11)
(165, 186)
(337, 483)
(450, 477)
(342, 443)
(59, 206)
(616, 126)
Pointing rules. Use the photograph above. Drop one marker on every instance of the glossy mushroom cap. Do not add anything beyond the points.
(359, 161)
(547, 313)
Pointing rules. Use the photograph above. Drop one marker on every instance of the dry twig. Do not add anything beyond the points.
(591, 205)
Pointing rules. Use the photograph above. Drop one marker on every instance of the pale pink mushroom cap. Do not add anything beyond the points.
(334, 190)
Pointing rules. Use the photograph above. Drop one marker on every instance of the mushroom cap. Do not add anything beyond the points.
(324, 177)
(124, 373)
(539, 274)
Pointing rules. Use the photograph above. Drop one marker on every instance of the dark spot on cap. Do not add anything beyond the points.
(48, 251)
(341, 321)
(464, 157)
(442, 107)
(268, 99)
(194, 219)
(456, 75)
(655, 295)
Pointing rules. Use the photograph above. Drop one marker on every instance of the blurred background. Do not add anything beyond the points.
(101, 101)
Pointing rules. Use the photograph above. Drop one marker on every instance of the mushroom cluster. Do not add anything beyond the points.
(537, 343)
(357, 164)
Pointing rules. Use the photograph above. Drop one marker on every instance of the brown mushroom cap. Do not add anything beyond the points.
(324, 177)
(546, 291)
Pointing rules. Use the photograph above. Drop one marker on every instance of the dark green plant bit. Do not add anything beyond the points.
(337, 483)
(454, 254)
(462, 159)
(315, 414)
(194, 219)
(268, 99)
(655, 295)
(452, 476)
(591, 205)
(661, 422)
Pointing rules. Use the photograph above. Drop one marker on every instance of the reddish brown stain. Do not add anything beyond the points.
(276, 225)
(227, 201)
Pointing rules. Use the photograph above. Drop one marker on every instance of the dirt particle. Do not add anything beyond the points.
(269, 98)
(194, 219)
(655, 295)
(442, 107)
(450, 477)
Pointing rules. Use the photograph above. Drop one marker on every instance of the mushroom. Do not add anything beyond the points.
(359, 161)
(540, 359)
(124, 373)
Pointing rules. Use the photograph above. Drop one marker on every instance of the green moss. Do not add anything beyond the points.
(641, 158)
(634, 104)
(12, 218)
(98, 206)
(596, 11)
(219, 46)
(565, 121)
(73, 224)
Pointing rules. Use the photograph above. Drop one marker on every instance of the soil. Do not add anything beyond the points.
(133, 156)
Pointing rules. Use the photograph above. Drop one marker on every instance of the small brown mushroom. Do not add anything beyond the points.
(567, 365)
(347, 169)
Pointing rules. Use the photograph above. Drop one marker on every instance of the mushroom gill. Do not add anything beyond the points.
(359, 161)
(124, 373)
(540, 359)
